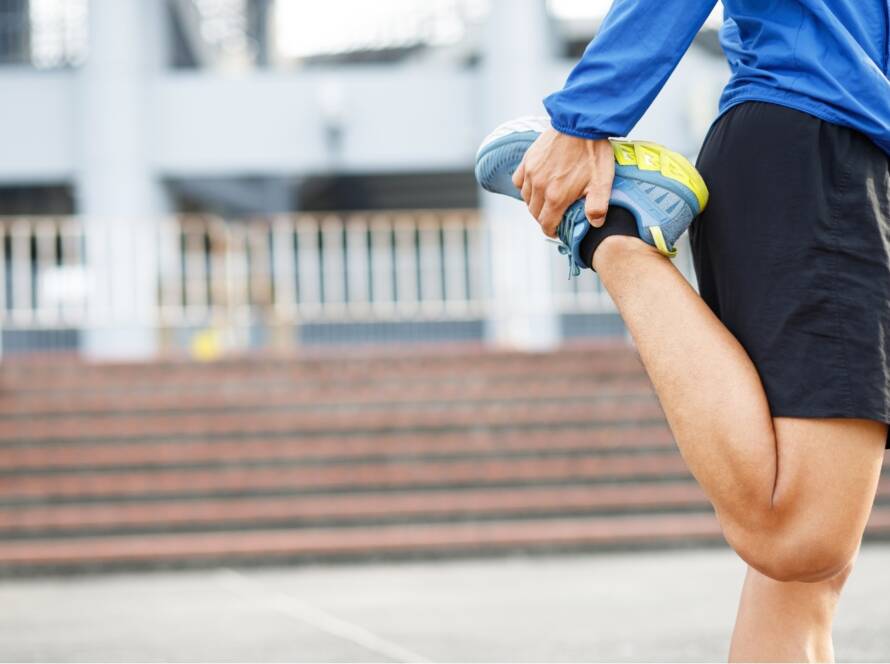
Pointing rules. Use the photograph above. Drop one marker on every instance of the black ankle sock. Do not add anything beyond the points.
(619, 221)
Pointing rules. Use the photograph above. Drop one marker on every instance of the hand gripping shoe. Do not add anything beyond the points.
(659, 187)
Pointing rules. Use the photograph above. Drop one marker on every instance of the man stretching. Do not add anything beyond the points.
(775, 380)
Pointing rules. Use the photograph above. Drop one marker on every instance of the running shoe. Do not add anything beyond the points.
(659, 187)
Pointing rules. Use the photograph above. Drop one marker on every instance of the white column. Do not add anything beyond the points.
(118, 195)
(518, 54)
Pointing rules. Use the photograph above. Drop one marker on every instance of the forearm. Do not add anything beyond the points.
(625, 66)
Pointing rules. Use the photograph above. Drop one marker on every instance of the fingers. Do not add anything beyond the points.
(519, 176)
(533, 197)
(536, 205)
(526, 191)
(546, 204)
(550, 216)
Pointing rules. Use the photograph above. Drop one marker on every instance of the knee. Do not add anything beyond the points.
(810, 565)
(796, 558)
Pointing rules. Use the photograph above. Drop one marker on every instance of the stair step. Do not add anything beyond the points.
(351, 507)
(85, 456)
(294, 395)
(240, 480)
(434, 417)
(51, 377)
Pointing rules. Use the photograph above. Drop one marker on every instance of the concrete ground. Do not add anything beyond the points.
(660, 606)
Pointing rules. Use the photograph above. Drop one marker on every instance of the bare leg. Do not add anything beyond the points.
(785, 622)
(792, 495)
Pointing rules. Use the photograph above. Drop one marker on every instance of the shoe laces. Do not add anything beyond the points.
(565, 233)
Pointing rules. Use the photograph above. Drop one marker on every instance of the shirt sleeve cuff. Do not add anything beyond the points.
(578, 133)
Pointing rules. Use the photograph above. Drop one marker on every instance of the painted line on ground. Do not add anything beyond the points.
(240, 585)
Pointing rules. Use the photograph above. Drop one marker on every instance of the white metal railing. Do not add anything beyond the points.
(281, 270)
(289, 268)
(42, 276)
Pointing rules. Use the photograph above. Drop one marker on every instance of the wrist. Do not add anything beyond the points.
(578, 133)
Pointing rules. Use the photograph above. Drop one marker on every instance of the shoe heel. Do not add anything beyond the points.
(649, 156)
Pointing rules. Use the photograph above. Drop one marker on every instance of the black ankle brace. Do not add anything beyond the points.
(619, 221)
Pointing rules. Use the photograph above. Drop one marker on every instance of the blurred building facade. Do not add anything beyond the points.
(173, 177)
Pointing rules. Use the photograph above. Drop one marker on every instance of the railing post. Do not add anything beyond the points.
(284, 274)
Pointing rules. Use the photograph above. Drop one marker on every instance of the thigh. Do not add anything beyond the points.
(827, 475)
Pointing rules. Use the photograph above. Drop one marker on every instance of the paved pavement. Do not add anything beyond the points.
(660, 606)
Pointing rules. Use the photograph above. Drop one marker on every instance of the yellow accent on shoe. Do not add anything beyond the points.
(624, 153)
(649, 156)
(660, 244)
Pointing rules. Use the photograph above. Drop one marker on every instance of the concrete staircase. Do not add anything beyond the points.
(438, 451)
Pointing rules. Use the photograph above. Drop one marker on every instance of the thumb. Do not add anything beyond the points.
(596, 206)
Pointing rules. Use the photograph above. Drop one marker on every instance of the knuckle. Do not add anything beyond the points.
(554, 192)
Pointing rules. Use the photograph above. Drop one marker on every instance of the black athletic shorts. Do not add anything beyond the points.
(793, 255)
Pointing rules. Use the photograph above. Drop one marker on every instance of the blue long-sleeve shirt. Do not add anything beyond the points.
(829, 58)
